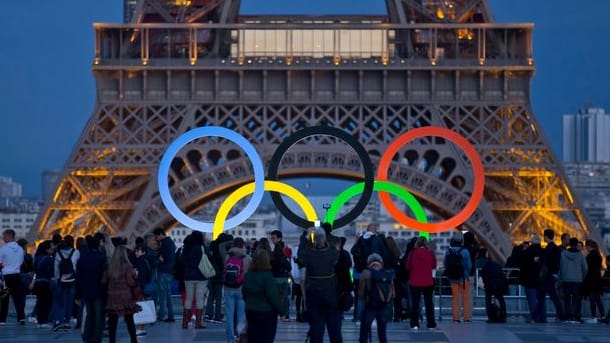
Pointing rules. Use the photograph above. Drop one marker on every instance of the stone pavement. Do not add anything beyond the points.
(478, 331)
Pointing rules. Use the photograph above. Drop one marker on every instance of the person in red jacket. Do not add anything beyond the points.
(420, 264)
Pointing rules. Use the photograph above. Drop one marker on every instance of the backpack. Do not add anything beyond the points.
(454, 266)
(66, 268)
(361, 252)
(234, 272)
(379, 295)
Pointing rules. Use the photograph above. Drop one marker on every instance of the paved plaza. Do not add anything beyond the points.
(478, 331)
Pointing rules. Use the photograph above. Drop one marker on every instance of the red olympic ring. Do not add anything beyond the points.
(477, 167)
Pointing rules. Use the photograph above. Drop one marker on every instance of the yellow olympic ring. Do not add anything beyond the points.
(270, 186)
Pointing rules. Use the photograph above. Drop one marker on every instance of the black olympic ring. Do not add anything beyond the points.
(369, 174)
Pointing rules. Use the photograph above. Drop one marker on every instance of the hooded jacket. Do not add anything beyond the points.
(239, 252)
(573, 266)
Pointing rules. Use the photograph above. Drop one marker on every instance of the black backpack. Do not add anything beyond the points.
(454, 267)
(361, 252)
(66, 268)
(381, 289)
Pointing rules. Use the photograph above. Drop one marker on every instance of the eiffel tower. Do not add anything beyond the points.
(182, 64)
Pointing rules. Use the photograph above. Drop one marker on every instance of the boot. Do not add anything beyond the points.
(198, 319)
(186, 318)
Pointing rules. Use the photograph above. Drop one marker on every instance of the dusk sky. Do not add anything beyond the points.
(48, 93)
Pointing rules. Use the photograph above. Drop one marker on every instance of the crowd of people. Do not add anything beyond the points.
(249, 286)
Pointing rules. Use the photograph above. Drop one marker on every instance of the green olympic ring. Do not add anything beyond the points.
(383, 186)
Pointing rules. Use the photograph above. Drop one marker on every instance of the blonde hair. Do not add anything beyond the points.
(119, 262)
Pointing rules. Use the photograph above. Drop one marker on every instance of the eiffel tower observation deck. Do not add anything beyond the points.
(181, 64)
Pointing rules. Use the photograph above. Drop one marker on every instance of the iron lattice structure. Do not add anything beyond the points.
(184, 64)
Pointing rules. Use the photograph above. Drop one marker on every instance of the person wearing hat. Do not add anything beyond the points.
(377, 290)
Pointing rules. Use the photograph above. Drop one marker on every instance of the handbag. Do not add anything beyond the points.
(148, 315)
(205, 266)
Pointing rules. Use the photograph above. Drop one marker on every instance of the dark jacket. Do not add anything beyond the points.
(145, 271)
(342, 269)
(593, 279)
(494, 278)
(366, 245)
(44, 267)
(191, 259)
(530, 265)
(260, 293)
(320, 272)
(167, 250)
(552, 256)
(280, 264)
(90, 268)
(219, 248)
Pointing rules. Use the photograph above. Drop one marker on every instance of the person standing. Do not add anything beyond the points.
(572, 271)
(592, 284)
(236, 265)
(194, 280)
(344, 279)
(530, 267)
(44, 270)
(218, 250)
(420, 264)
(11, 259)
(165, 274)
(66, 260)
(281, 267)
(145, 280)
(457, 268)
(297, 290)
(496, 286)
(551, 256)
(321, 289)
(120, 280)
(377, 291)
(91, 266)
(261, 298)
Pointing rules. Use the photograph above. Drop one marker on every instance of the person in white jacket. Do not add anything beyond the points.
(11, 259)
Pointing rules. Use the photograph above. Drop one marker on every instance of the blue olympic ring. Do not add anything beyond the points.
(216, 131)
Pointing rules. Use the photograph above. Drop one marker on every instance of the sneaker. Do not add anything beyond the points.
(415, 328)
(56, 327)
(2, 323)
(467, 321)
(32, 320)
(456, 321)
(44, 326)
(22, 322)
(207, 318)
(591, 321)
(140, 333)
(217, 321)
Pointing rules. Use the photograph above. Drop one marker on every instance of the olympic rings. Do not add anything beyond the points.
(369, 177)
(365, 188)
(216, 131)
(477, 167)
(273, 186)
(385, 186)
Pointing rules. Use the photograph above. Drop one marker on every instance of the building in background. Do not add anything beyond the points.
(50, 178)
(20, 221)
(9, 188)
(586, 136)
(129, 10)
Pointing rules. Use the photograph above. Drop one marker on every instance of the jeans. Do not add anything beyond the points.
(94, 322)
(234, 307)
(262, 326)
(113, 321)
(194, 290)
(416, 307)
(548, 286)
(323, 311)
(166, 310)
(13, 283)
(531, 295)
(44, 300)
(572, 299)
(214, 305)
(371, 314)
(63, 304)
